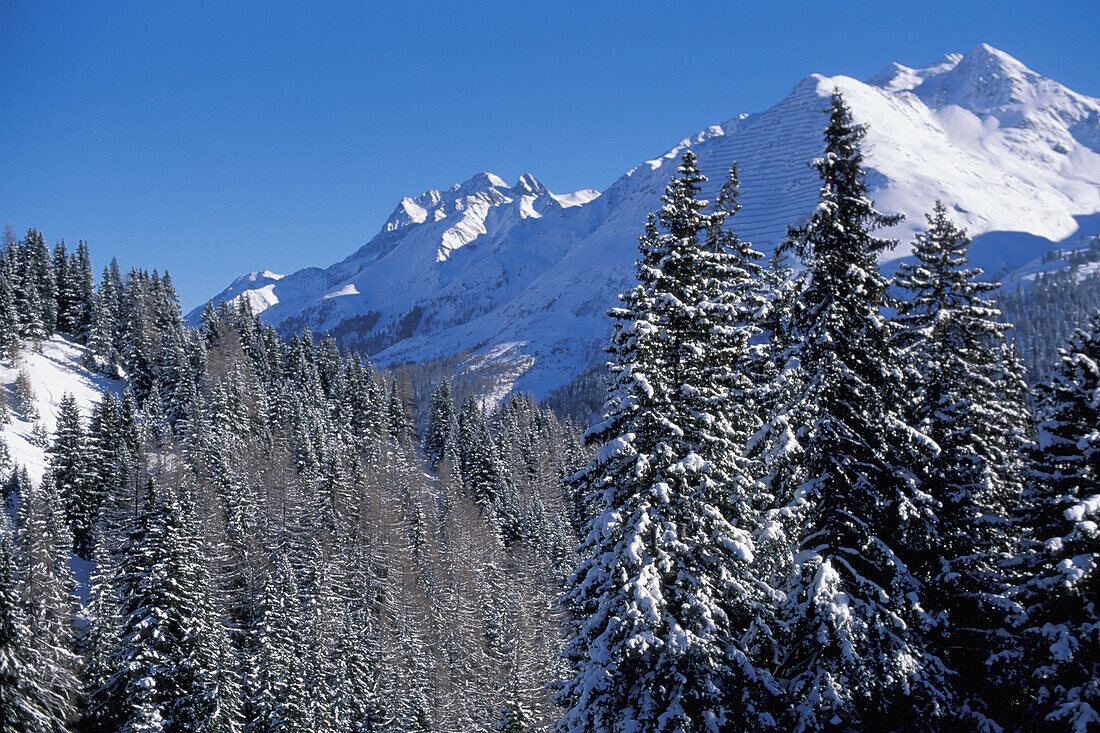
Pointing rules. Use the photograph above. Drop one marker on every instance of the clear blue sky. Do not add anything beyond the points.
(215, 138)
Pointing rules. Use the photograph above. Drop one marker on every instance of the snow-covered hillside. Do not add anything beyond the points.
(51, 372)
(485, 264)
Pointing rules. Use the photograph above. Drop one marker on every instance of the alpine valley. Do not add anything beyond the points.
(517, 279)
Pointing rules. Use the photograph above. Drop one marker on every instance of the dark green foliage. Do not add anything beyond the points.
(442, 432)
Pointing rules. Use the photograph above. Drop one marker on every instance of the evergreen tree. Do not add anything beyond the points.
(70, 471)
(1058, 631)
(20, 701)
(159, 683)
(956, 351)
(47, 592)
(36, 297)
(663, 597)
(82, 275)
(100, 643)
(855, 653)
(101, 352)
(280, 700)
(9, 318)
(483, 472)
(358, 702)
(398, 412)
(68, 295)
(442, 424)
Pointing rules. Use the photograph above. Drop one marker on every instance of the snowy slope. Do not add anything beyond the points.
(523, 276)
(53, 371)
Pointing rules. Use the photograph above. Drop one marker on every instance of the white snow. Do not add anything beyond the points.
(260, 299)
(1089, 507)
(348, 289)
(53, 371)
(577, 198)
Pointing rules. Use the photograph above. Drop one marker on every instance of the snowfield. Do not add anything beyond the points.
(485, 263)
(54, 370)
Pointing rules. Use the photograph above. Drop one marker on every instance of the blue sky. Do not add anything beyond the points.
(215, 138)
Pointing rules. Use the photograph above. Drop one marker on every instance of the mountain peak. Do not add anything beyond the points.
(986, 62)
(528, 184)
(992, 55)
(260, 277)
(480, 182)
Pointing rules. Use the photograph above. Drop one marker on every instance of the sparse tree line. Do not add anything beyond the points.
(817, 499)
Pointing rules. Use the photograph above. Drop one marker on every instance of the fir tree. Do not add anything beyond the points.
(82, 274)
(47, 592)
(21, 703)
(855, 653)
(9, 318)
(1058, 631)
(280, 698)
(101, 642)
(68, 295)
(664, 596)
(70, 471)
(442, 424)
(956, 351)
(160, 682)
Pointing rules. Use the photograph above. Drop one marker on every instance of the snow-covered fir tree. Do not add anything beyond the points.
(22, 702)
(959, 361)
(71, 473)
(664, 594)
(855, 653)
(442, 425)
(1056, 663)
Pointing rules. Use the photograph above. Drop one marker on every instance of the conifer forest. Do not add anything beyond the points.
(812, 497)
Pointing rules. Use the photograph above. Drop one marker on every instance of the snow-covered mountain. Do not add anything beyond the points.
(522, 277)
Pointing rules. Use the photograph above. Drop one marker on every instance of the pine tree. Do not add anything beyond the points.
(956, 351)
(138, 349)
(68, 295)
(1058, 631)
(41, 270)
(855, 653)
(9, 318)
(483, 472)
(280, 698)
(82, 274)
(47, 592)
(358, 702)
(70, 471)
(211, 697)
(161, 683)
(20, 702)
(36, 295)
(101, 352)
(31, 319)
(100, 643)
(398, 412)
(442, 424)
(664, 595)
